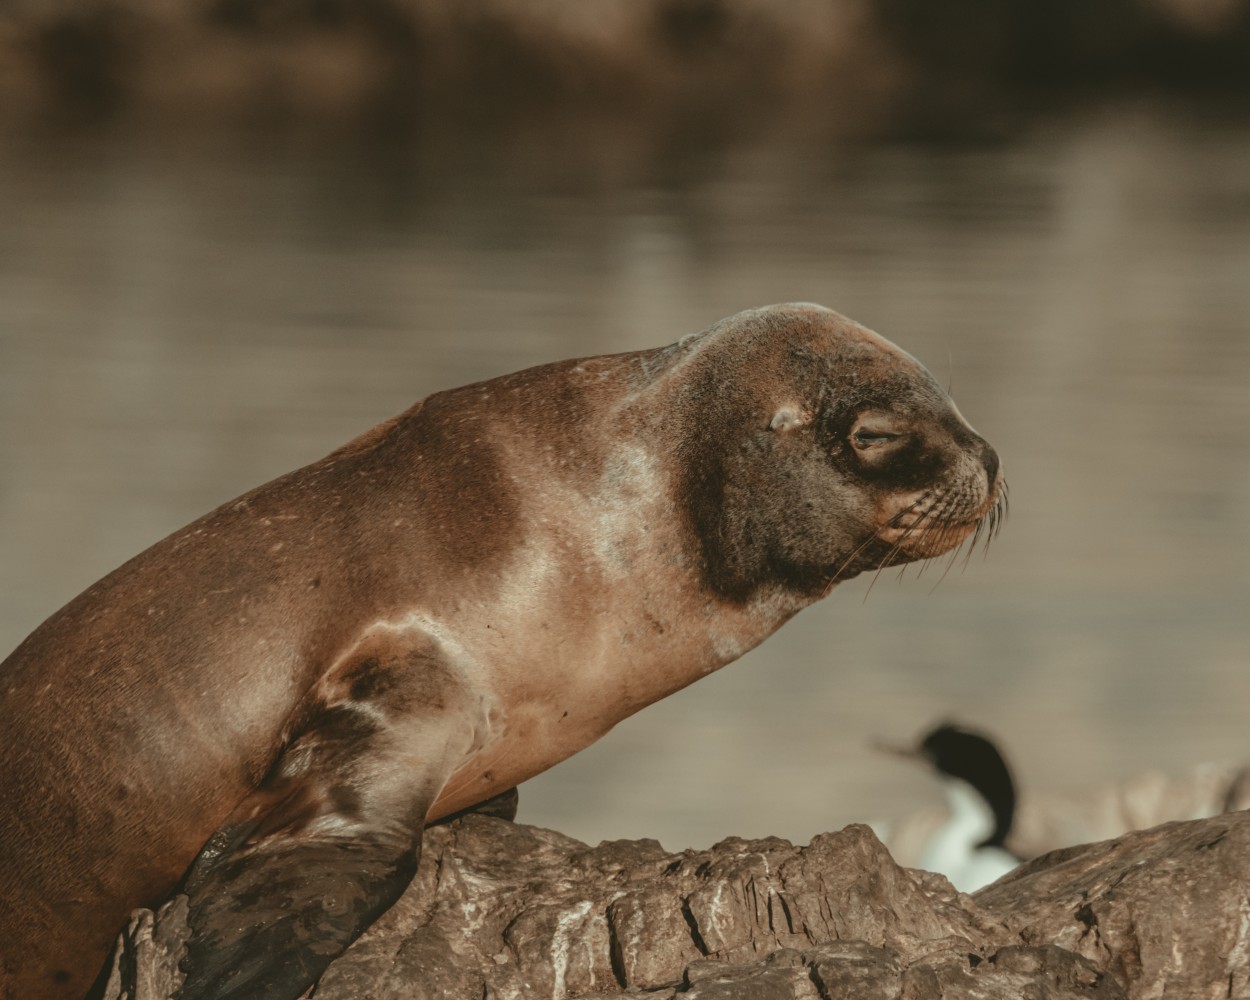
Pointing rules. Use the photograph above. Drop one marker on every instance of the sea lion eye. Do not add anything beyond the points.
(876, 429)
(865, 438)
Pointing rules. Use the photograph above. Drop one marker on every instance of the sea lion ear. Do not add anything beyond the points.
(789, 417)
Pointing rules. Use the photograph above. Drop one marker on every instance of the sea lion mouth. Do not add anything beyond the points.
(935, 522)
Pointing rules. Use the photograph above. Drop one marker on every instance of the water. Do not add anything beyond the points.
(180, 323)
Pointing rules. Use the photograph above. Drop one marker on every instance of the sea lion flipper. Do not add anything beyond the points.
(332, 836)
(267, 920)
(286, 885)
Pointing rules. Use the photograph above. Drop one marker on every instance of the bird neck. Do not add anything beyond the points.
(1001, 806)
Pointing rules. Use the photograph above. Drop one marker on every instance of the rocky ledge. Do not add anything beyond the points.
(501, 911)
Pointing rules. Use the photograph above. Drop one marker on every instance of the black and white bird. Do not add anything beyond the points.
(970, 849)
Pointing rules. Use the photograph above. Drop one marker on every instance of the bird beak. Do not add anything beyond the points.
(896, 750)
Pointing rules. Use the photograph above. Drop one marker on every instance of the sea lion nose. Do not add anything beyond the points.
(989, 458)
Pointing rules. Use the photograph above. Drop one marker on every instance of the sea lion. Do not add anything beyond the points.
(264, 709)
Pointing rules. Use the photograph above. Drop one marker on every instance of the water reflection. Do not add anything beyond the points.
(179, 325)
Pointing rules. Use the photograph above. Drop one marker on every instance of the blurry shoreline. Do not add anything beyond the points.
(688, 71)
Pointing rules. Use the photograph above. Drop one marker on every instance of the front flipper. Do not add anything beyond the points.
(270, 918)
(332, 836)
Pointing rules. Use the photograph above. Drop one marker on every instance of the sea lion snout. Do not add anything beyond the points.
(967, 499)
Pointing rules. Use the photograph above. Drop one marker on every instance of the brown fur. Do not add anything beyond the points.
(442, 608)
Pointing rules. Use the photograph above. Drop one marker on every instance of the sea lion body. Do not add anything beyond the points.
(286, 690)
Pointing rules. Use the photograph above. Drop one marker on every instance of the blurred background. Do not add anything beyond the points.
(235, 234)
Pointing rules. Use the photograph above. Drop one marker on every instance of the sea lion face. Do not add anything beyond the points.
(825, 451)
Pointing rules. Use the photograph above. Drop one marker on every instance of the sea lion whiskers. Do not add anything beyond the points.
(884, 562)
(954, 557)
(875, 536)
(947, 516)
(988, 526)
(931, 514)
(1001, 508)
(936, 507)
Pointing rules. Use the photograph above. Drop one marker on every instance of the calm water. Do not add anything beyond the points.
(178, 325)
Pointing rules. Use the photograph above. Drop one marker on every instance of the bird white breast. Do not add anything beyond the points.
(952, 851)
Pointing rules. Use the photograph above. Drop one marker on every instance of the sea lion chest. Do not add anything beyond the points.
(595, 616)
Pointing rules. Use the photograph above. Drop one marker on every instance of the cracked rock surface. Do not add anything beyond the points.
(1165, 911)
(505, 911)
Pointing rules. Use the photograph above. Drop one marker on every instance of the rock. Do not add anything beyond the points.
(524, 912)
(145, 958)
(1165, 911)
(508, 911)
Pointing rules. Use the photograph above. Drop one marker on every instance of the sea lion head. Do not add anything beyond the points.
(814, 449)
